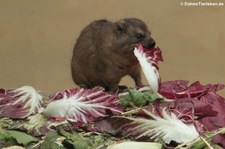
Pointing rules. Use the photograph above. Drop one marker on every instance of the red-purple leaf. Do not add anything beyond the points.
(180, 89)
(153, 54)
(19, 103)
(219, 139)
(82, 105)
(148, 59)
(201, 101)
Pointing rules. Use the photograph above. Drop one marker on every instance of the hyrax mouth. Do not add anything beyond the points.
(154, 54)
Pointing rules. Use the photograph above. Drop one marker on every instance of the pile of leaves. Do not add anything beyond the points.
(171, 114)
(92, 118)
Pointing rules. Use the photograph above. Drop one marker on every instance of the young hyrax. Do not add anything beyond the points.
(103, 53)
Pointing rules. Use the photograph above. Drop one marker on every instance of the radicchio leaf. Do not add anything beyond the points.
(219, 139)
(148, 59)
(153, 54)
(207, 106)
(180, 89)
(82, 105)
(168, 127)
(19, 103)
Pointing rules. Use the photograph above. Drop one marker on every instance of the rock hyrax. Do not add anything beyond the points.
(103, 53)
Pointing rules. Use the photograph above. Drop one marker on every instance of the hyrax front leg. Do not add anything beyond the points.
(112, 83)
(136, 75)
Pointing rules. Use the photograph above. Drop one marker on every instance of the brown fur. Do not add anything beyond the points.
(103, 53)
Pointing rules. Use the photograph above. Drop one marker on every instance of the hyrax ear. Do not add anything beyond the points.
(120, 27)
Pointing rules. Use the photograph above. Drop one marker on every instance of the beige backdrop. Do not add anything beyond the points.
(37, 38)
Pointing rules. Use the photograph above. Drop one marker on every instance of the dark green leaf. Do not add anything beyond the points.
(16, 137)
(36, 125)
(76, 140)
(137, 98)
(50, 141)
(5, 122)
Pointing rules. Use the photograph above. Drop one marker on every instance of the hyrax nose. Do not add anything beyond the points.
(151, 44)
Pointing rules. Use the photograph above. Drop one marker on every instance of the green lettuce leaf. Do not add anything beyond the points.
(15, 137)
(50, 141)
(138, 98)
(76, 140)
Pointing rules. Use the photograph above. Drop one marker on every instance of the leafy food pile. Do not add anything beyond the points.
(171, 114)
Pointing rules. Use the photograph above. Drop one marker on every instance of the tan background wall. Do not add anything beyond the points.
(37, 38)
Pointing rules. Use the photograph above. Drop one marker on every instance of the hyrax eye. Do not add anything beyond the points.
(140, 36)
(119, 29)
